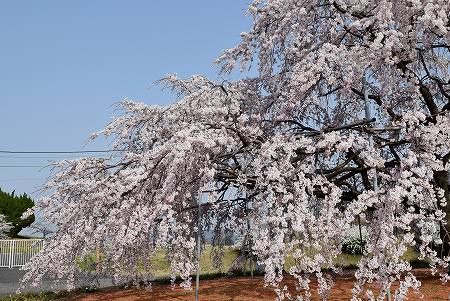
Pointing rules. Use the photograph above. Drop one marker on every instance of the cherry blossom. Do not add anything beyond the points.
(4, 227)
(283, 158)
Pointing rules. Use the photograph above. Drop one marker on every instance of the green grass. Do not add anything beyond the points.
(345, 261)
(161, 267)
(349, 261)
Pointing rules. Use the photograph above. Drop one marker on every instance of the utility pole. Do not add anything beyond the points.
(197, 276)
(249, 243)
(368, 117)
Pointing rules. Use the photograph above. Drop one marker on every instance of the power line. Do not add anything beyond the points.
(60, 152)
(26, 166)
(39, 157)
(21, 179)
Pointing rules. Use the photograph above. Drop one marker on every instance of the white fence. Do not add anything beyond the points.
(17, 252)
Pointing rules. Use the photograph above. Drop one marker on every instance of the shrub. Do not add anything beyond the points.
(355, 242)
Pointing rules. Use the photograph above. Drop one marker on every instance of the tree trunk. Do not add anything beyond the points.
(441, 178)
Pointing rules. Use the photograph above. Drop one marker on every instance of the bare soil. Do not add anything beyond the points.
(242, 289)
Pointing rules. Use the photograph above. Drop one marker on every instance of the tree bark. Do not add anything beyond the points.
(441, 179)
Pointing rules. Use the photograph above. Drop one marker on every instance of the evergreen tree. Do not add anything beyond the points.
(12, 207)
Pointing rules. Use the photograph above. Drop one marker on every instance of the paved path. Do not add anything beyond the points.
(10, 278)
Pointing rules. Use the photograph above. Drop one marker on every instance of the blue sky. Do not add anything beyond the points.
(65, 63)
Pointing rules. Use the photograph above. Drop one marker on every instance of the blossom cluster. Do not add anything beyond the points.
(4, 226)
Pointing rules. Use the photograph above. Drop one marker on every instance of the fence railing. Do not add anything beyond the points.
(17, 252)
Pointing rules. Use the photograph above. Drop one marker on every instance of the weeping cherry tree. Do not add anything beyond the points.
(285, 156)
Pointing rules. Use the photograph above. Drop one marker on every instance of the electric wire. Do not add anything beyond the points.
(61, 152)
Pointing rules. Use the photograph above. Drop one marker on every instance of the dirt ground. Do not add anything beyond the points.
(242, 289)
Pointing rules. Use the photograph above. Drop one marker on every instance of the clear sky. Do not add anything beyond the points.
(63, 64)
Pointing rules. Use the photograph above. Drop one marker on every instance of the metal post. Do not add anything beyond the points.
(11, 253)
(249, 243)
(368, 116)
(197, 276)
